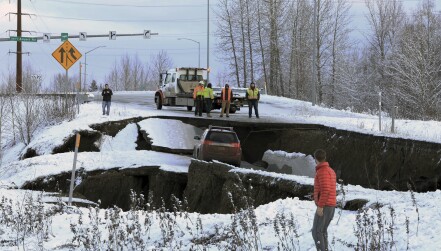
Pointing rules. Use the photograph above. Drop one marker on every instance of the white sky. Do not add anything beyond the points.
(172, 19)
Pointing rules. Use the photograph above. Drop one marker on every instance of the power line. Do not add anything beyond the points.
(126, 20)
(129, 5)
(42, 48)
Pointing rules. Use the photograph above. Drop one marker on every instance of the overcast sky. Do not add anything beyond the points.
(172, 19)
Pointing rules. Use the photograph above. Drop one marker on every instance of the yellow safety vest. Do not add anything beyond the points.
(253, 94)
(208, 93)
(198, 91)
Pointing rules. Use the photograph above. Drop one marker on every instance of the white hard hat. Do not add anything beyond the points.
(201, 82)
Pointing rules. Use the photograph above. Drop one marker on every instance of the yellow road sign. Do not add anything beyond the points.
(66, 54)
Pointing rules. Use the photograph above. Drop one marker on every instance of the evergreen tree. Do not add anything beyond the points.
(93, 86)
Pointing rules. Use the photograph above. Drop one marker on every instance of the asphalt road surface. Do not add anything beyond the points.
(146, 100)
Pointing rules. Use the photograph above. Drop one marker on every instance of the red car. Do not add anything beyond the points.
(218, 143)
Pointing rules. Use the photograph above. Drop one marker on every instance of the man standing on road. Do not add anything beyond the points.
(208, 96)
(253, 97)
(227, 97)
(325, 198)
(198, 96)
(107, 97)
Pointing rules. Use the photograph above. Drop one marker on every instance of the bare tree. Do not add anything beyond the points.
(300, 51)
(339, 44)
(275, 71)
(138, 74)
(385, 19)
(416, 66)
(260, 39)
(125, 72)
(323, 42)
(4, 111)
(250, 44)
(227, 37)
(161, 62)
(28, 108)
(112, 79)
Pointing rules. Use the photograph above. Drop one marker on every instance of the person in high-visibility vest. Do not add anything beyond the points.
(209, 97)
(198, 96)
(253, 96)
(227, 97)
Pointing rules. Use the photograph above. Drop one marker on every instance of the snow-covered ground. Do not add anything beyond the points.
(288, 110)
(175, 135)
(421, 213)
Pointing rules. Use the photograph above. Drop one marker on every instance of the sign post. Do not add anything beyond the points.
(72, 179)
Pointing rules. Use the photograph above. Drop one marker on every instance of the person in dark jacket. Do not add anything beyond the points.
(253, 97)
(208, 96)
(107, 98)
(325, 198)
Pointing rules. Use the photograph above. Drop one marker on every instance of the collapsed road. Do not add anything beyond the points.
(359, 159)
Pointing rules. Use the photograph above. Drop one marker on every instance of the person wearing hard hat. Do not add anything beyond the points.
(198, 96)
(209, 97)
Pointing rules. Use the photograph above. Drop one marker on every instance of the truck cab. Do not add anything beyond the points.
(176, 86)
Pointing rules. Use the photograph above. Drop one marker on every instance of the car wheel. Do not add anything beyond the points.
(189, 108)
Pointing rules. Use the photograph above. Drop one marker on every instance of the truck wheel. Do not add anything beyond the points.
(158, 102)
(189, 108)
(233, 109)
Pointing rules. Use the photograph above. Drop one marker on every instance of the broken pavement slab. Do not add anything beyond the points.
(169, 135)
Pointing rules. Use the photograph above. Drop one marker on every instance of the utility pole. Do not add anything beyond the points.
(19, 52)
(208, 41)
(19, 74)
(79, 87)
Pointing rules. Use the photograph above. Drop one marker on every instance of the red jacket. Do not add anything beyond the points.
(325, 182)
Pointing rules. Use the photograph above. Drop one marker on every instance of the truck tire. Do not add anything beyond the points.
(233, 109)
(158, 102)
(189, 108)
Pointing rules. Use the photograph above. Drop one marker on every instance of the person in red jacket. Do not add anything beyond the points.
(325, 198)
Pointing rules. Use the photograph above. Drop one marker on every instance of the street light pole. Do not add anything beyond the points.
(199, 48)
(85, 64)
(208, 41)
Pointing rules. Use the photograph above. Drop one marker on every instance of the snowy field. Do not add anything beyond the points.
(412, 225)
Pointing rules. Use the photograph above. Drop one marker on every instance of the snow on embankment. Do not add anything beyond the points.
(19, 172)
(125, 140)
(172, 134)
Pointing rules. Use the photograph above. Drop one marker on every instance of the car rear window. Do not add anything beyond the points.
(222, 137)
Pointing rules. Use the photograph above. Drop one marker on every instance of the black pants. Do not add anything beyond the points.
(251, 103)
(320, 228)
(208, 103)
(199, 105)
